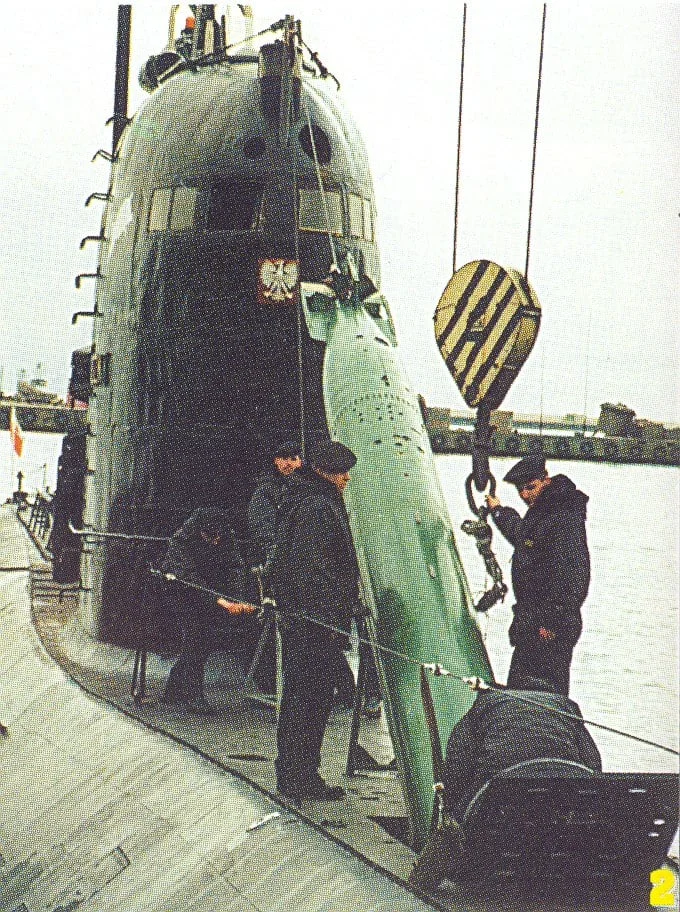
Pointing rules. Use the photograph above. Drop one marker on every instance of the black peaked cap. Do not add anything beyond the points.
(528, 469)
(331, 456)
(287, 450)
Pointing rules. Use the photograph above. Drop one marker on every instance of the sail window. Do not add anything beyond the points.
(312, 216)
(356, 215)
(183, 208)
(321, 144)
(159, 211)
(369, 233)
(234, 207)
(360, 217)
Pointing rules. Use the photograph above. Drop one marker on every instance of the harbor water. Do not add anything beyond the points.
(625, 669)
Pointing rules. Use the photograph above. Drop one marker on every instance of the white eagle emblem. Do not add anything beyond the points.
(278, 280)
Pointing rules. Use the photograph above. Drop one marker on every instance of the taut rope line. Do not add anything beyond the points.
(436, 669)
(533, 159)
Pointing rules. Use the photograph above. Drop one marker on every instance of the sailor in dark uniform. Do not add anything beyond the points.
(266, 499)
(263, 511)
(502, 728)
(263, 515)
(201, 552)
(314, 574)
(550, 570)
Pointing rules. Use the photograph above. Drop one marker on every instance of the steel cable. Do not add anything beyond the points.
(533, 159)
(460, 129)
(435, 668)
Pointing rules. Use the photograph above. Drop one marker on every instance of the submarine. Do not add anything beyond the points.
(238, 304)
(236, 190)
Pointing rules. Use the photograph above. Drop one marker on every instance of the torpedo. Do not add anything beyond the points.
(403, 535)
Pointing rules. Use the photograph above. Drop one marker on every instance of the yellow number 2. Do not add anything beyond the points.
(663, 883)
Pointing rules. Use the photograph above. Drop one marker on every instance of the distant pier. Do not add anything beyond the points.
(40, 416)
(616, 436)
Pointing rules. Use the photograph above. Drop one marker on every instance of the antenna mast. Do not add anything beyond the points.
(120, 94)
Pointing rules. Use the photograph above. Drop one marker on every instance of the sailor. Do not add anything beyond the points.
(264, 504)
(262, 523)
(315, 575)
(200, 552)
(550, 570)
(502, 728)
(262, 526)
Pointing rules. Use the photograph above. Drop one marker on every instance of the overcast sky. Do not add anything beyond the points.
(604, 254)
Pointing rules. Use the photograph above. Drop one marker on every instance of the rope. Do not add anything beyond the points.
(324, 72)
(298, 311)
(460, 127)
(533, 160)
(274, 27)
(327, 215)
(93, 533)
(435, 668)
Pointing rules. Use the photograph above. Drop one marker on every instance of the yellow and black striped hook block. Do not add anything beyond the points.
(486, 324)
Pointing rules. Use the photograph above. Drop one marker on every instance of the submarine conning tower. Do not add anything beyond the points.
(201, 357)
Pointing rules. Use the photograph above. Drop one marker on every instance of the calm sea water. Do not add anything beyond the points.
(625, 670)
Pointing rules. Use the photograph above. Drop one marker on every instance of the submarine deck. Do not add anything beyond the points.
(241, 740)
(100, 812)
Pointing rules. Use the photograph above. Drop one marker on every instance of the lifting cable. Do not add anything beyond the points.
(483, 431)
(298, 308)
(481, 440)
(460, 127)
(434, 668)
(533, 159)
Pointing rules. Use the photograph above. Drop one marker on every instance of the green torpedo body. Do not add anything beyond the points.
(411, 570)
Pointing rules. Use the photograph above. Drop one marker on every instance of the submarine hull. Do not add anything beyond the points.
(221, 208)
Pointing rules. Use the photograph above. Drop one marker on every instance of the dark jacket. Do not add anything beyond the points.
(314, 570)
(551, 563)
(262, 515)
(191, 558)
(501, 730)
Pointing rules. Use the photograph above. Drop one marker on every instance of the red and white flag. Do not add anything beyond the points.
(16, 435)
